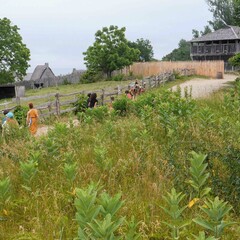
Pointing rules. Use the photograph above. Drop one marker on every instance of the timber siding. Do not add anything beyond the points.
(204, 68)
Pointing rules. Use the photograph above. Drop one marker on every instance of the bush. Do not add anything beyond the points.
(66, 82)
(120, 106)
(98, 113)
(118, 77)
(20, 113)
(91, 76)
(80, 104)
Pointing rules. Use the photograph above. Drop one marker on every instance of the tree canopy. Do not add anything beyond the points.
(225, 13)
(182, 53)
(145, 48)
(235, 60)
(14, 55)
(110, 51)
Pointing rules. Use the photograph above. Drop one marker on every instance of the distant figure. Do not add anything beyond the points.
(10, 124)
(128, 94)
(5, 112)
(32, 119)
(93, 100)
(88, 100)
(110, 105)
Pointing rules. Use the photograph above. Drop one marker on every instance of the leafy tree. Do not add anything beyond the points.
(182, 53)
(14, 55)
(225, 13)
(197, 34)
(145, 48)
(110, 51)
(235, 60)
(222, 11)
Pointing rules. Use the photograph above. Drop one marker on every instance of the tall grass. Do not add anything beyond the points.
(141, 155)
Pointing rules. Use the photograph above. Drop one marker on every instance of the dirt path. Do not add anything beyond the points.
(200, 88)
(205, 87)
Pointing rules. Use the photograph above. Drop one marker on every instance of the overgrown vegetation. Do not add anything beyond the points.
(107, 178)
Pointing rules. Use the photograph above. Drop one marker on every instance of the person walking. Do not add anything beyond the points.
(32, 119)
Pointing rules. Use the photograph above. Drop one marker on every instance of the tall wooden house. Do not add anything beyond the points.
(219, 45)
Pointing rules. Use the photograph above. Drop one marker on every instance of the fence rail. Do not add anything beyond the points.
(59, 105)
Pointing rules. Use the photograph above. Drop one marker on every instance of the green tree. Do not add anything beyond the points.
(14, 55)
(197, 34)
(145, 48)
(235, 60)
(225, 12)
(182, 53)
(110, 51)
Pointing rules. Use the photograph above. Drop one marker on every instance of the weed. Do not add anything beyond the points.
(216, 210)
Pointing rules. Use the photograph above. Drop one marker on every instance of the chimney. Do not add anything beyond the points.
(46, 64)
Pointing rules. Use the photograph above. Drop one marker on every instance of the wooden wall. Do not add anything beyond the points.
(204, 68)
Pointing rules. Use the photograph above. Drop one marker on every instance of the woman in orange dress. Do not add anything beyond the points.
(32, 119)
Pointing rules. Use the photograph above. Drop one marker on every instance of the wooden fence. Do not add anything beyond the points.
(205, 68)
(57, 103)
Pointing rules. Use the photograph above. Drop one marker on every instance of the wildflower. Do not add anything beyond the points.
(191, 203)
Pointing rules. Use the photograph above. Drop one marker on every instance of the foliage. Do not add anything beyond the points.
(81, 104)
(198, 175)
(118, 77)
(110, 51)
(4, 191)
(66, 82)
(182, 53)
(216, 210)
(145, 48)
(235, 60)
(140, 155)
(202, 236)
(174, 210)
(91, 76)
(14, 55)
(197, 34)
(120, 106)
(99, 114)
(28, 170)
(70, 171)
(20, 113)
(96, 214)
(224, 13)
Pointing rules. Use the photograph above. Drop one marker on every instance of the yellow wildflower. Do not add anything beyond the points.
(192, 202)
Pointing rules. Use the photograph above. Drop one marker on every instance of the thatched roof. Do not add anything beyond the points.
(228, 33)
(39, 71)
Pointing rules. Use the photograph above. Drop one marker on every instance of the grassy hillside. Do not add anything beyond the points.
(65, 185)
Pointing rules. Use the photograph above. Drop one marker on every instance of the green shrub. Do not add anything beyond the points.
(20, 114)
(118, 77)
(81, 104)
(66, 82)
(91, 76)
(120, 106)
(99, 113)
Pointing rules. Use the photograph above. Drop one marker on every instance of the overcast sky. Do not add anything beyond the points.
(59, 31)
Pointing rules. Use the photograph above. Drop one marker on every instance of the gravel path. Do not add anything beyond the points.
(200, 88)
(204, 87)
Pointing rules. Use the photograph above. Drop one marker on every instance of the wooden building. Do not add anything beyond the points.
(219, 45)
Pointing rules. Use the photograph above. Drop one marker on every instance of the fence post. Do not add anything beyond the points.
(102, 97)
(18, 101)
(50, 107)
(57, 104)
(118, 90)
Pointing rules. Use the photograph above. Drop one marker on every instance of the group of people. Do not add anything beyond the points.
(9, 122)
(135, 90)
